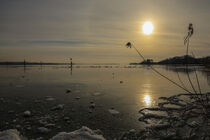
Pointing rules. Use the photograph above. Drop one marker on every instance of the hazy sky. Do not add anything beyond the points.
(96, 30)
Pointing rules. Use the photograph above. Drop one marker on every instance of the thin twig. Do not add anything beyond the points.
(199, 87)
(175, 83)
(190, 81)
(180, 80)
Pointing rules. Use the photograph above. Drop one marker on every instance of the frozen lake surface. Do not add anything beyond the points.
(99, 97)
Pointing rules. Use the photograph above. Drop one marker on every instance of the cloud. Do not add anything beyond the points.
(47, 43)
(95, 25)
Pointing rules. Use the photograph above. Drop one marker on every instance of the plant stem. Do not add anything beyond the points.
(190, 81)
(175, 83)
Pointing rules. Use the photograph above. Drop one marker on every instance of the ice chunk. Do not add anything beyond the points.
(97, 93)
(58, 107)
(83, 133)
(114, 112)
(50, 99)
(27, 113)
(43, 130)
(11, 134)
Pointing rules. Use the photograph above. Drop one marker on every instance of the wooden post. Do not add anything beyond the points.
(71, 63)
(24, 62)
(24, 66)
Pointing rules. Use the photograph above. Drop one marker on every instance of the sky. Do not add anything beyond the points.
(96, 31)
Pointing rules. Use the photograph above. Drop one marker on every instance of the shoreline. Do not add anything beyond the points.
(176, 114)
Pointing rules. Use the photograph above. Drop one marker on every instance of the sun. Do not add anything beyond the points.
(147, 28)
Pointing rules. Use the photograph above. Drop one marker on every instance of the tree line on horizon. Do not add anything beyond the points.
(186, 59)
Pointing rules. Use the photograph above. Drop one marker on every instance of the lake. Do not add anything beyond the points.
(89, 95)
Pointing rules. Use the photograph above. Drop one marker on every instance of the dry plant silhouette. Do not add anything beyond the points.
(129, 45)
(182, 116)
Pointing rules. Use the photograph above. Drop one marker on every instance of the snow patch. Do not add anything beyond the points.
(114, 112)
(50, 99)
(97, 93)
(11, 134)
(83, 133)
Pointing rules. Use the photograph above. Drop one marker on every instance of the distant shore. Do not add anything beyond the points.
(180, 60)
(52, 63)
(177, 60)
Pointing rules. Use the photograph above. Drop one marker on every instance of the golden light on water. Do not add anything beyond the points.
(148, 28)
(145, 96)
(147, 100)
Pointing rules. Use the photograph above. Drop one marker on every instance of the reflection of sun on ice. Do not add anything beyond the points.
(147, 100)
(146, 97)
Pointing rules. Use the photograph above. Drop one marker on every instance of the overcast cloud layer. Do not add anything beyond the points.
(96, 30)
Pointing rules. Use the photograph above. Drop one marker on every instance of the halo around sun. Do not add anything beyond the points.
(147, 28)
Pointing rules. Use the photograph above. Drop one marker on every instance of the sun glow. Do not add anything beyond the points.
(147, 28)
(147, 100)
